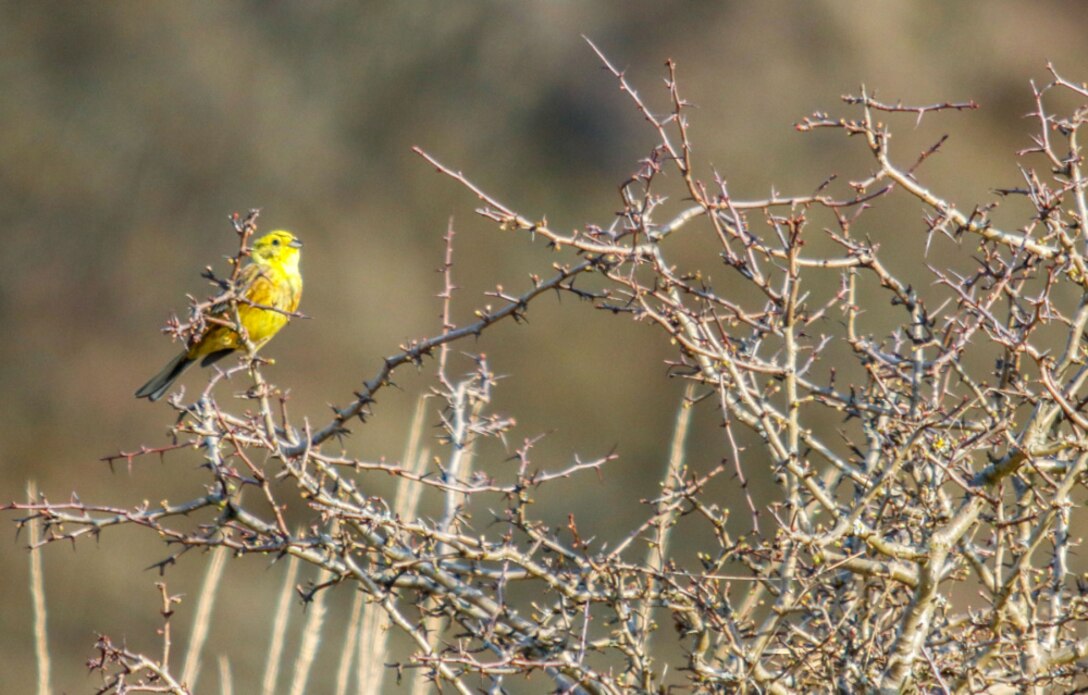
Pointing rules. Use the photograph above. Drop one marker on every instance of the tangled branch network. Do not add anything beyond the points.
(927, 458)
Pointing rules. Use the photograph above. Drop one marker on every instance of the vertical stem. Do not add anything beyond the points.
(666, 510)
(279, 628)
(37, 594)
(209, 590)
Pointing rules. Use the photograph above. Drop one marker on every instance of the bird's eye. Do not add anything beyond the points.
(275, 242)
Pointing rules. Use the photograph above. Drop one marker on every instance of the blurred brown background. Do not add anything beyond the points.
(129, 130)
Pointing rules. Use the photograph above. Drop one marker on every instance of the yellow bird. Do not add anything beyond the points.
(271, 284)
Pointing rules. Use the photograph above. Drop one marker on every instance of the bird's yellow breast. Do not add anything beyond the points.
(274, 285)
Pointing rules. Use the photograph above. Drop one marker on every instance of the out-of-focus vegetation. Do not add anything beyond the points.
(131, 130)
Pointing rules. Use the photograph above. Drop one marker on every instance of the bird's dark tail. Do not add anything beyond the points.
(157, 386)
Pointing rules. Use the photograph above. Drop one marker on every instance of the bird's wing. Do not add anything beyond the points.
(246, 278)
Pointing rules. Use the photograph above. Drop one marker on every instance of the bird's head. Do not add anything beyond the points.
(278, 248)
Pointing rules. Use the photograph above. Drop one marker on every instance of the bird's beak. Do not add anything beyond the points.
(295, 244)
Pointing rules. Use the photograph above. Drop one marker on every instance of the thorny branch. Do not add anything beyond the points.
(952, 474)
(126, 671)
